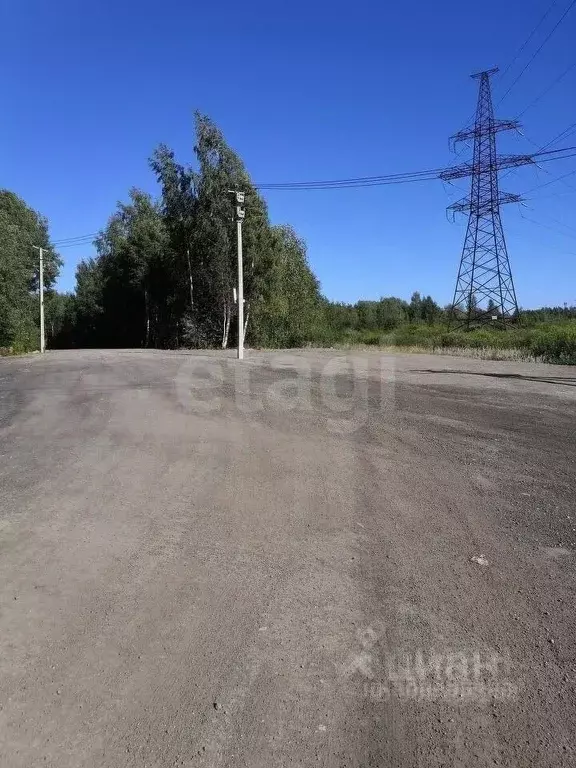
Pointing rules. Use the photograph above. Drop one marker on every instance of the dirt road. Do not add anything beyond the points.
(294, 561)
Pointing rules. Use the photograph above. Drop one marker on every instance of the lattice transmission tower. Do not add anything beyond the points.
(484, 290)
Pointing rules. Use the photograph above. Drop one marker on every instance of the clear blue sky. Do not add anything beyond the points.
(302, 90)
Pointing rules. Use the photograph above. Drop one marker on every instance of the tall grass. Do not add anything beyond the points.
(546, 342)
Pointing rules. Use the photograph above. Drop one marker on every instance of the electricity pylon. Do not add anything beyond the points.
(484, 289)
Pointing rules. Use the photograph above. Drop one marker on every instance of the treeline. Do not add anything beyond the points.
(384, 315)
(166, 269)
(547, 334)
(22, 232)
(165, 272)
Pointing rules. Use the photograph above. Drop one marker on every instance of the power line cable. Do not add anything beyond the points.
(553, 152)
(534, 55)
(530, 36)
(515, 58)
(545, 92)
(571, 191)
(351, 183)
(71, 245)
(401, 178)
(547, 183)
(560, 223)
(566, 157)
(77, 237)
(71, 239)
(561, 178)
(547, 226)
(562, 135)
(394, 178)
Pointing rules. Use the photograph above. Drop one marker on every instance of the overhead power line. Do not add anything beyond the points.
(545, 92)
(553, 181)
(515, 58)
(562, 135)
(354, 182)
(78, 237)
(547, 226)
(535, 54)
(540, 149)
(398, 178)
(557, 194)
(561, 223)
(530, 36)
(364, 181)
(553, 152)
(564, 157)
(88, 241)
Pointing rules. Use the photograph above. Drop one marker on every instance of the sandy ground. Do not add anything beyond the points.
(304, 559)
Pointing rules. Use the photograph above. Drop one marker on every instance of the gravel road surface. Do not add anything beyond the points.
(302, 559)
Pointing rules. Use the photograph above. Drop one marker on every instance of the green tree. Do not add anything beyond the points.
(415, 307)
(341, 316)
(179, 207)
(22, 228)
(367, 314)
(214, 232)
(166, 269)
(492, 308)
(88, 305)
(472, 306)
(392, 312)
(133, 269)
(429, 311)
(57, 308)
(288, 312)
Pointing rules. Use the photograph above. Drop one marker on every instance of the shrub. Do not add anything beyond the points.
(372, 338)
(549, 342)
(555, 344)
(417, 335)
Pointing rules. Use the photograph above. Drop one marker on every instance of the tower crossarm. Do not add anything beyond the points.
(493, 126)
(468, 205)
(486, 166)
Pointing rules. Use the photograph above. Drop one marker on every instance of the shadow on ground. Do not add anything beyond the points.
(567, 381)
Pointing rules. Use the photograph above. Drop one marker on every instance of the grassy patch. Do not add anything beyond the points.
(546, 342)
